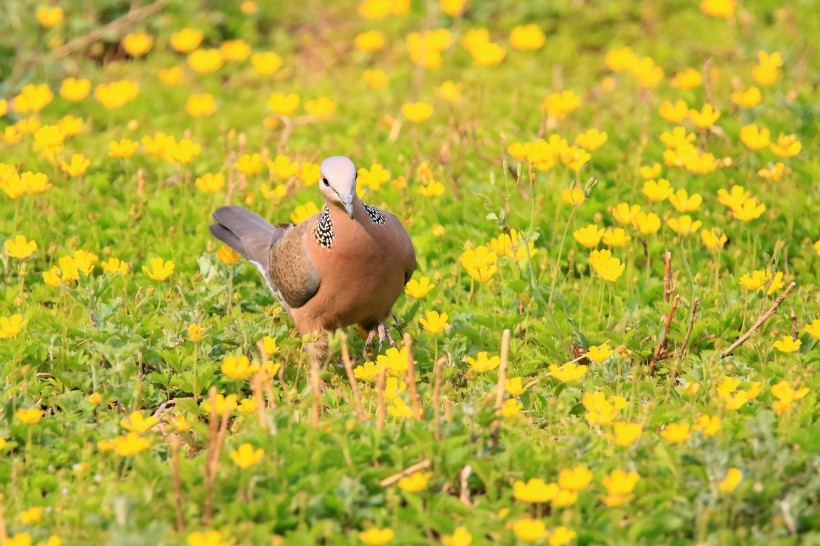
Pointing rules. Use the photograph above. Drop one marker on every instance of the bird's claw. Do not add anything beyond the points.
(384, 334)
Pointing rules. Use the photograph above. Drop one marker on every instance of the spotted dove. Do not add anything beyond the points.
(344, 265)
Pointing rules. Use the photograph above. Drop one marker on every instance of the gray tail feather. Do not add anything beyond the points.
(236, 224)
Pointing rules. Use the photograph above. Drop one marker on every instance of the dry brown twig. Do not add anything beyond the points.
(380, 407)
(667, 276)
(659, 349)
(759, 322)
(437, 394)
(351, 378)
(501, 386)
(411, 378)
(464, 488)
(689, 328)
(390, 480)
(795, 328)
(177, 483)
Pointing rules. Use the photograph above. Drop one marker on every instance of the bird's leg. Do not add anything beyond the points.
(367, 342)
(384, 333)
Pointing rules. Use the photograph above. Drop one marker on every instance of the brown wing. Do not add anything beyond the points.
(290, 268)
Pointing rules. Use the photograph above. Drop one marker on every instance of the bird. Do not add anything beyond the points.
(345, 265)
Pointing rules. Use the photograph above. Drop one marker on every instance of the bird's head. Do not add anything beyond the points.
(338, 182)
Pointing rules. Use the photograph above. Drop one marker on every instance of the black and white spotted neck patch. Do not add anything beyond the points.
(376, 215)
(323, 232)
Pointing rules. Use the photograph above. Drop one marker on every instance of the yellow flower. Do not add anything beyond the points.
(786, 146)
(129, 445)
(646, 73)
(115, 266)
(369, 41)
(30, 416)
(766, 71)
(417, 112)
(160, 269)
(731, 481)
(375, 536)
(20, 247)
(266, 63)
(773, 171)
(677, 138)
(31, 516)
(625, 434)
(95, 398)
(200, 105)
(648, 223)
(625, 214)
(511, 408)
(418, 289)
(527, 37)
(785, 395)
(49, 16)
(574, 196)
(674, 113)
(574, 479)
(483, 363)
(748, 210)
(651, 172)
(601, 411)
(735, 197)
(534, 491)
(235, 50)
(683, 225)
(709, 424)
(705, 117)
(588, 236)
(135, 422)
(460, 537)
(619, 59)
(138, 44)
(183, 151)
(591, 140)
(205, 61)
(529, 530)
(186, 40)
(813, 329)
(619, 486)
(452, 8)
(560, 536)
(375, 79)
(206, 538)
(246, 456)
(122, 149)
(676, 433)
(449, 91)
(74, 89)
(415, 482)
(374, 177)
(687, 79)
(195, 332)
(514, 387)
(722, 9)
(488, 54)
(116, 94)
(224, 404)
(303, 212)
(568, 373)
(249, 164)
(748, 98)
(77, 165)
(367, 371)
(394, 360)
(683, 202)
(321, 108)
(753, 137)
(713, 239)
(575, 158)
(11, 326)
(605, 265)
(237, 368)
(787, 344)
(657, 191)
(615, 237)
(560, 104)
(171, 77)
(480, 263)
(210, 183)
(32, 99)
(434, 323)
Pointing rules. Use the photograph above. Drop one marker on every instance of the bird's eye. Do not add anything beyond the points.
(325, 181)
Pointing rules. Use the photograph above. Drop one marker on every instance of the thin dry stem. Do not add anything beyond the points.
(759, 322)
(464, 488)
(390, 480)
(501, 386)
(317, 393)
(380, 407)
(411, 377)
(692, 313)
(177, 483)
(437, 395)
(659, 349)
(667, 276)
(795, 328)
(351, 378)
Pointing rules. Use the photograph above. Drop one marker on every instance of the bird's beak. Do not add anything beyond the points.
(347, 203)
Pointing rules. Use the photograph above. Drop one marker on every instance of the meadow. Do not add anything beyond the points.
(611, 336)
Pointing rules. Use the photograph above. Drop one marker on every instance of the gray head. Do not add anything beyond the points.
(338, 183)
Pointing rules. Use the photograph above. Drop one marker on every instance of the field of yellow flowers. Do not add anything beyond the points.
(611, 336)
